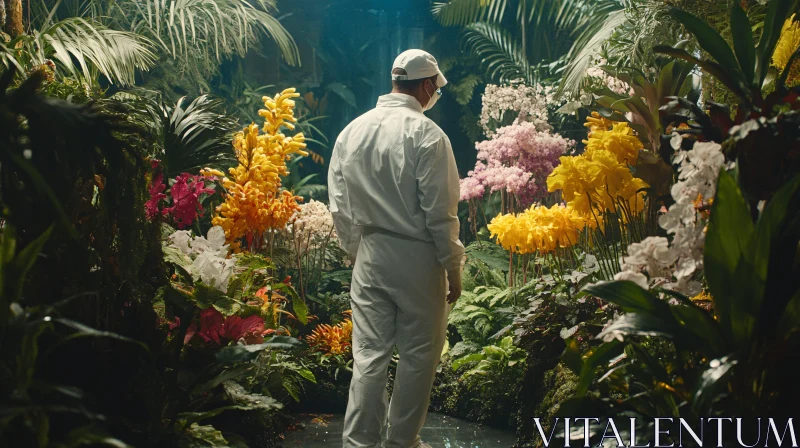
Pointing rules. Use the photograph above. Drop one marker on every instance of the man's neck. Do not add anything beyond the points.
(405, 92)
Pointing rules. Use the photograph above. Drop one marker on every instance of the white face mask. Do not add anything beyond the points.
(432, 99)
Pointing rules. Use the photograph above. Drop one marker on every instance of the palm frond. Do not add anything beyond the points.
(82, 46)
(465, 12)
(189, 136)
(564, 14)
(196, 136)
(219, 28)
(499, 52)
(588, 45)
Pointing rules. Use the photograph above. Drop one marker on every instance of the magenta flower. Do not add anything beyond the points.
(157, 187)
(185, 194)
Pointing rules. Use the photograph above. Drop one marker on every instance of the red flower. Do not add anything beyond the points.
(213, 326)
(250, 328)
(211, 322)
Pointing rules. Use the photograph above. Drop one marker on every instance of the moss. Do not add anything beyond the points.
(560, 384)
(494, 406)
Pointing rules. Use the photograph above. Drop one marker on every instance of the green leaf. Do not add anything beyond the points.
(307, 374)
(598, 356)
(29, 352)
(299, 306)
(628, 295)
(236, 393)
(300, 309)
(466, 359)
(179, 261)
(572, 356)
(730, 230)
(83, 331)
(197, 436)
(703, 332)
(791, 315)
(713, 68)
(343, 92)
(241, 353)
(92, 436)
(743, 42)
(712, 381)
(15, 272)
(226, 375)
(769, 225)
(711, 42)
(644, 324)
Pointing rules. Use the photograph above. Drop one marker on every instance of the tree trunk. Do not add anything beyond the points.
(13, 25)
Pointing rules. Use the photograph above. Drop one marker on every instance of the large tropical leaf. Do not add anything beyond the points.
(82, 47)
(595, 33)
(499, 52)
(465, 12)
(218, 28)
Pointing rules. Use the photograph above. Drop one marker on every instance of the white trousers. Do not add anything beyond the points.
(398, 298)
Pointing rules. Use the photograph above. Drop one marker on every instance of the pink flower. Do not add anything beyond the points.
(517, 159)
(186, 192)
(156, 192)
(471, 188)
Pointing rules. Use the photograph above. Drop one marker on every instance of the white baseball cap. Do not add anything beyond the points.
(418, 64)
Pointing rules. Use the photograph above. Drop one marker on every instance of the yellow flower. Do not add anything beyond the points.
(595, 122)
(569, 177)
(787, 44)
(599, 180)
(620, 141)
(507, 231)
(538, 229)
(253, 200)
(552, 228)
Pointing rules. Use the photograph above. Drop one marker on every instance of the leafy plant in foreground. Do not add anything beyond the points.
(736, 361)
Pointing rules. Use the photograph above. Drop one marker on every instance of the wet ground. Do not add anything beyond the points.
(440, 431)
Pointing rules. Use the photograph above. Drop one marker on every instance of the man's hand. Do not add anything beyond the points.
(454, 280)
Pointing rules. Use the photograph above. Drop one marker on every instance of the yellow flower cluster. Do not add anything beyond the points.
(538, 229)
(599, 179)
(253, 202)
(619, 140)
(333, 340)
(787, 43)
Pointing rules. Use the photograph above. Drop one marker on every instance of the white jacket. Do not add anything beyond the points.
(393, 168)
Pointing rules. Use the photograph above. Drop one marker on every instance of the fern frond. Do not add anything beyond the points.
(499, 52)
(465, 12)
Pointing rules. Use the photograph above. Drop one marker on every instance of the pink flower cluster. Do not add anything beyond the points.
(157, 187)
(185, 194)
(517, 160)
